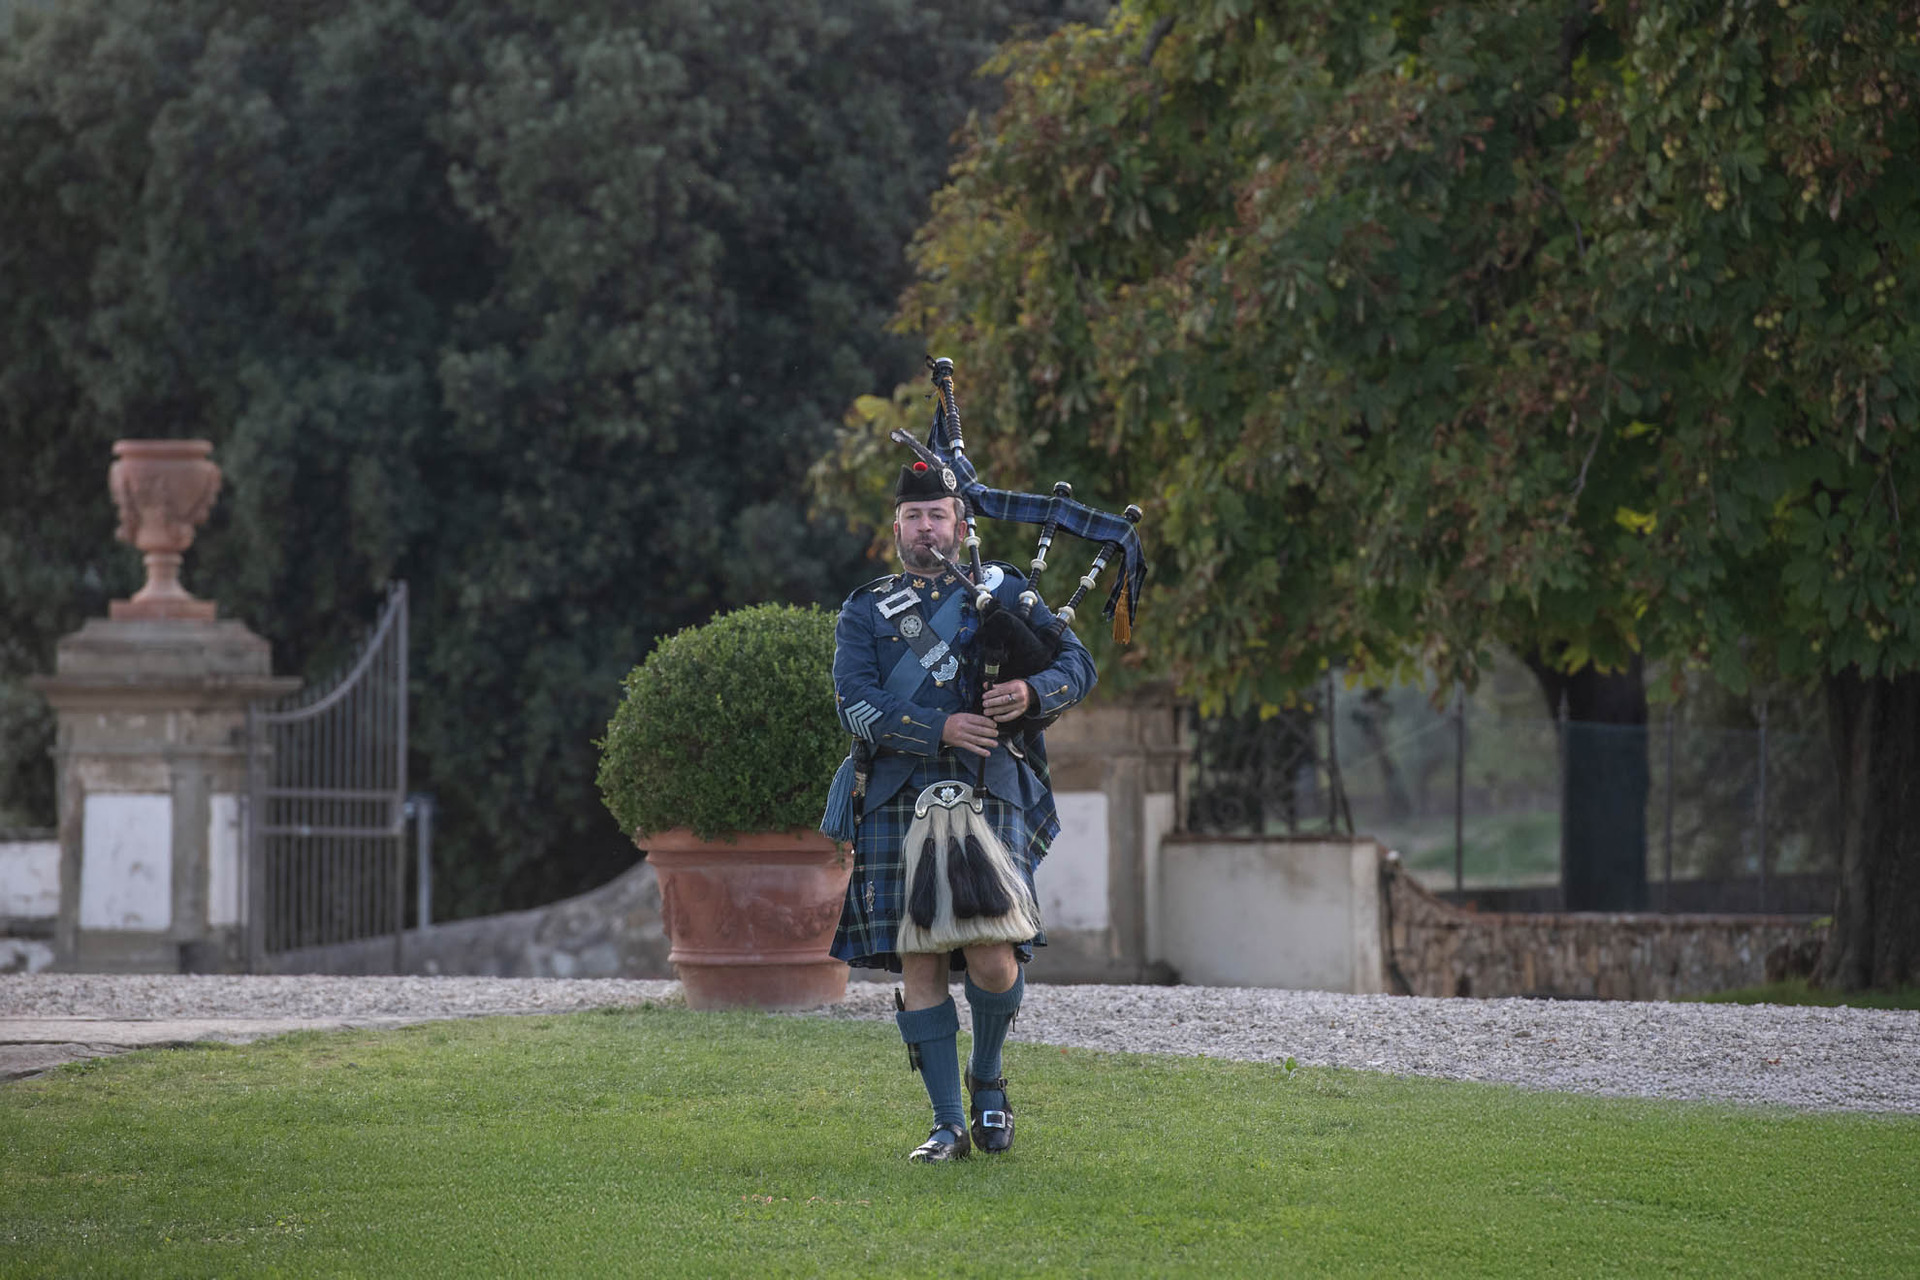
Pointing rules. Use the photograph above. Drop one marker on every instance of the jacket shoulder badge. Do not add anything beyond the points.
(881, 584)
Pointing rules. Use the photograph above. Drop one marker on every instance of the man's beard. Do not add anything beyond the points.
(921, 557)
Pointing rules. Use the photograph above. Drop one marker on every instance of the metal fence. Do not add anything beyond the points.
(1275, 773)
(1736, 819)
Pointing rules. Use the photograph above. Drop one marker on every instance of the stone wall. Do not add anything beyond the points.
(614, 931)
(1800, 894)
(1429, 947)
(1435, 949)
(29, 879)
(29, 899)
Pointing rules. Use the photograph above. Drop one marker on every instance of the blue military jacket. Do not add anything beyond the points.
(898, 702)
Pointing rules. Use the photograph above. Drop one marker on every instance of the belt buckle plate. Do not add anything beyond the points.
(947, 795)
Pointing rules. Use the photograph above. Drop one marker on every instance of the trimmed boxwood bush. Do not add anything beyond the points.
(728, 727)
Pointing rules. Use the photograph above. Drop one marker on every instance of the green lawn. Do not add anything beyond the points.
(1797, 991)
(660, 1142)
(1496, 849)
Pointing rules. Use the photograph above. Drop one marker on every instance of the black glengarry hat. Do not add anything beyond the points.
(922, 483)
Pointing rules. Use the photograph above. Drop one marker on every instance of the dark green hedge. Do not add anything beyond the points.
(728, 727)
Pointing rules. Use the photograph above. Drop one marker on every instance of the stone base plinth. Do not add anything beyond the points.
(152, 763)
(145, 650)
(124, 951)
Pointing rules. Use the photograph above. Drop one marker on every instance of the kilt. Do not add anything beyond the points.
(876, 895)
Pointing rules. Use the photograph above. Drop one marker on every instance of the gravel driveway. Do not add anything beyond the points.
(1822, 1059)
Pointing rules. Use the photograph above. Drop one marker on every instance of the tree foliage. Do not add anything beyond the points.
(1585, 327)
(1419, 324)
(1756, 219)
(542, 307)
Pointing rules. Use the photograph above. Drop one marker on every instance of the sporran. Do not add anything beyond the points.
(963, 888)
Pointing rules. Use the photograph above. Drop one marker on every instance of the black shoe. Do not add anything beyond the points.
(992, 1128)
(934, 1151)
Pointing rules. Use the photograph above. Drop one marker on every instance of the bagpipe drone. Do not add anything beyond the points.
(964, 888)
(946, 446)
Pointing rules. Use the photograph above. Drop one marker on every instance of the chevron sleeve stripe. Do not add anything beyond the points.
(860, 718)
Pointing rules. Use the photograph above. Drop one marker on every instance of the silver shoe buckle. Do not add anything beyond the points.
(993, 1120)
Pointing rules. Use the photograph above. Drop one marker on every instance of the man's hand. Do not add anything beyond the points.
(970, 732)
(1008, 701)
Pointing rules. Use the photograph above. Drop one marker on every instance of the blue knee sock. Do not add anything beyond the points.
(936, 1032)
(992, 1015)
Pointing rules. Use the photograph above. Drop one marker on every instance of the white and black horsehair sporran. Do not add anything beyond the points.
(963, 888)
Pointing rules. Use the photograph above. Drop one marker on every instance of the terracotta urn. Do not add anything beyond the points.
(164, 490)
(750, 921)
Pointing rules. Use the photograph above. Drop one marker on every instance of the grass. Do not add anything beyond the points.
(1797, 991)
(1496, 849)
(660, 1142)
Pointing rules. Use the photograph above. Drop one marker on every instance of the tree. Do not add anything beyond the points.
(1260, 267)
(1418, 327)
(542, 307)
(1755, 217)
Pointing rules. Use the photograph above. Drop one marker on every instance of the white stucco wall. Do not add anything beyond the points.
(126, 868)
(29, 879)
(1159, 813)
(1072, 882)
(1303, 915)
(223, 859)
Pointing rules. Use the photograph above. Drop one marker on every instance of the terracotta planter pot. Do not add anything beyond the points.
(750, 922)
(164, 490)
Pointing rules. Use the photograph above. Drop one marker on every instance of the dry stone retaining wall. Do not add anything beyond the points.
(614, 931)
(1436, 949)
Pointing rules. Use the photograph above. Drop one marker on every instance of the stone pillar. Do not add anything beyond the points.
(1115, 763)
(151, 754)
(151, 768)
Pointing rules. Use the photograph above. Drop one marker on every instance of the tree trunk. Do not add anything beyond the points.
(1875, 727)
(1604, 784)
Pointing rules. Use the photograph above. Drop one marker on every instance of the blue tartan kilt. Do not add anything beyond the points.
(877, 893)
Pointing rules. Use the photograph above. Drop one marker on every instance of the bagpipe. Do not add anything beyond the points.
(1011, 646)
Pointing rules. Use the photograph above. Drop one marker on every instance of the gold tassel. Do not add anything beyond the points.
(1123, 616)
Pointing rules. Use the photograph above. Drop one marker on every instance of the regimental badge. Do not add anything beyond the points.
(911, 626)
(947, 478)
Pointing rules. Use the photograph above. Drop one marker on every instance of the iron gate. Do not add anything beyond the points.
(1267, 775)
(326, 804)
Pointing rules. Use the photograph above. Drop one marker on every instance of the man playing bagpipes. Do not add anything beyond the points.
(946, 677)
